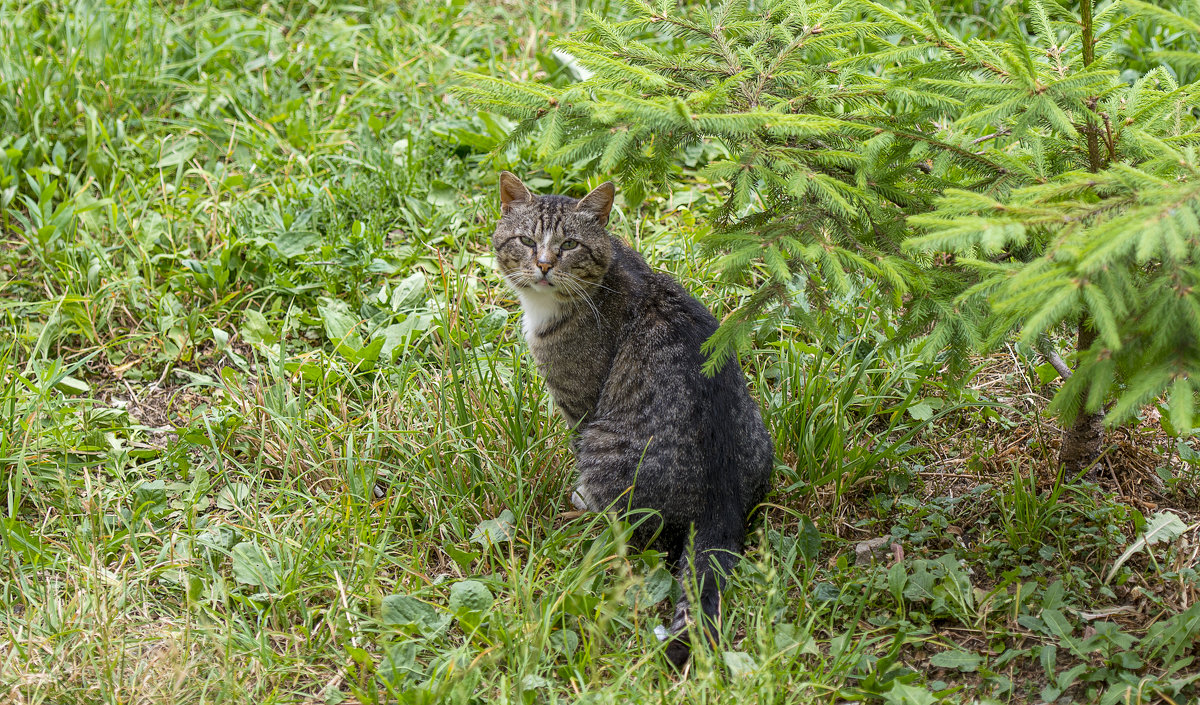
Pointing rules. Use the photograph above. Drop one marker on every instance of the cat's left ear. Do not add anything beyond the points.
(599, 202)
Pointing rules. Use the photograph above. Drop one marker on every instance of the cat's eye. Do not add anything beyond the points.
(528, 242)
(569, 244)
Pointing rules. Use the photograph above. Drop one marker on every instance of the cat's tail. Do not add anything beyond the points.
(714, 554)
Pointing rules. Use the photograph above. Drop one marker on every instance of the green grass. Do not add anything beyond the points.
(264, 403)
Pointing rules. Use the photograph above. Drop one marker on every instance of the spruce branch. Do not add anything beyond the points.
(989, 187)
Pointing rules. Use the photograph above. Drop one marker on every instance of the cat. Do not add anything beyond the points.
(618, 345)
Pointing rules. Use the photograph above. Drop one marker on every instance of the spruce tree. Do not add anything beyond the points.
(817, 178)
(1094, 225)
(988, 187)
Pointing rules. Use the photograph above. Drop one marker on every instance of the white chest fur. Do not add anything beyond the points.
(540, 308)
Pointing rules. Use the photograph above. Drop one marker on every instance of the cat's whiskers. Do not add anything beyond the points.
(575, 286)
(518, 280)
(571, 288)
(598, 285)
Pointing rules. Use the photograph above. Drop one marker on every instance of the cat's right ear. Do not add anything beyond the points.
(512, 191)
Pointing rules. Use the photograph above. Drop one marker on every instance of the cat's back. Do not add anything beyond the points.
(657, 390)
(661, 344)
(658, 305)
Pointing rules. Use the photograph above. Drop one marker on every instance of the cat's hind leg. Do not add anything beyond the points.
(703, 566)
(621, 470)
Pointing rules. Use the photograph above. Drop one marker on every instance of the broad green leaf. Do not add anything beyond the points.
(492, 323)
(920, 585)
(233, 496)
(954, 658)
(1057, 623)
(253, 566)
(1049, 659)
(789, 637)
(904, 694)
(337, 321)
(294, 243)
(176, 151)
(826, 592)
(658, 585)
(533, 681)
(409, 293)
(382, 266)
(255, 329)
(1068, 677)
(406, 611)
(441, 194)
(809, 539)
(564, 641)
(150, 495)
(470, 596)
(739, 663)
(1052, 598)
(393, 336)
(365, 357)
(921, 411)
(71, 385)
(1163, 526)
(16, 537)
(897, 578)
(464, 559)
(1183, 398)
(581, 603)
(1046, 373)
(400, 663)
(218, 536)
(494, 531)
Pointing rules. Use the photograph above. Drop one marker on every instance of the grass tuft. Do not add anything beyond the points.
(269, 434)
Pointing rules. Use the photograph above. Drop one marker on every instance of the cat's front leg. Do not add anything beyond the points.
(580, 497)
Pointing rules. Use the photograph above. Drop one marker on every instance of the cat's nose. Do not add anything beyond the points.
(544, 266)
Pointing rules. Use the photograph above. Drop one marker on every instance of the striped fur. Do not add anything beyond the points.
(619, 347)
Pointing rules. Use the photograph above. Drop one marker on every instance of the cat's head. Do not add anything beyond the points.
(552, 244)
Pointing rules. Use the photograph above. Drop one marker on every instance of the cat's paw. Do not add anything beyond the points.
(580, 503)
(682, 618)
(680, 648)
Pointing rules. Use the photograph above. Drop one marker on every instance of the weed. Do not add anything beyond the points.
(268, 432)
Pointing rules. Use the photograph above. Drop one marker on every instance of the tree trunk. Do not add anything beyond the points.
(1082, 440)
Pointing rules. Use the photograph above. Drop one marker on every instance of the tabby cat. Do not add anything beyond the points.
(619, 347)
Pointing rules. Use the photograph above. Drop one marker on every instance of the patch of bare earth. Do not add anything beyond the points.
(161, 405)
(1026, 438)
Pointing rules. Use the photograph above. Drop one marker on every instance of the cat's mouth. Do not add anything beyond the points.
(540, 281)
(534, 282)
